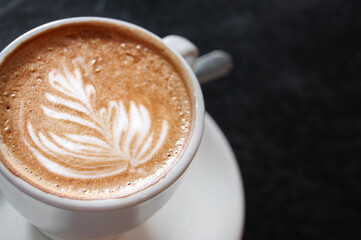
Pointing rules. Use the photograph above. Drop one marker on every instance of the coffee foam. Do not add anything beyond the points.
(92, 111)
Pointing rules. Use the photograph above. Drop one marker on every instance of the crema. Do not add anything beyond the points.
(93, 111)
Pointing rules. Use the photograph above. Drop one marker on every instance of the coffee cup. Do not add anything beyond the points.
(101, 120)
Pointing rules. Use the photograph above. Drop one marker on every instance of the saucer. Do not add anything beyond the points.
(208, 204)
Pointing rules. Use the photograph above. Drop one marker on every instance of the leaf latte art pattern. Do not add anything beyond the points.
(108, 141)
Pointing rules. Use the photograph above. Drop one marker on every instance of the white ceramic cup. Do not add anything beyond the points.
(63, 218)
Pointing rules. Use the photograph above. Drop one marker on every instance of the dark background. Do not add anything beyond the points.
(291, 108)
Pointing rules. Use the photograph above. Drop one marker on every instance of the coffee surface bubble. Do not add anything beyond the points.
(93, 111)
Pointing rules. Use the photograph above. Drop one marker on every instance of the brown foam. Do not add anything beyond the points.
(121, 65)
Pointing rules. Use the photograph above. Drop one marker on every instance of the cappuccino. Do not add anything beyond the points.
(93, 111)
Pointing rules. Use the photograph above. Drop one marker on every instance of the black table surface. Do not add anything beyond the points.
(291, 108)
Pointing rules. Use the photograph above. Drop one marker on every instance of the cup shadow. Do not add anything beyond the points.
(35, 234)
(140, 232)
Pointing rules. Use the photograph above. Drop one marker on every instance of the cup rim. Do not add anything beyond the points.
(143, 195)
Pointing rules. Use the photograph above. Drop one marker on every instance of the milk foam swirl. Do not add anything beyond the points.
(110, 140)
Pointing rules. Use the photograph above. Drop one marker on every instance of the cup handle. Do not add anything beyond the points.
(208, 67)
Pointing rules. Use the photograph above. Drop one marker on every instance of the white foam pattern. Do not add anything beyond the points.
(110, 140)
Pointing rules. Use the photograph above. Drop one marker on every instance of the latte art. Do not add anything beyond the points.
(93, 111)
(125, 139)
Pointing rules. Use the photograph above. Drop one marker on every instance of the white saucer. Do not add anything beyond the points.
(209, 203)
